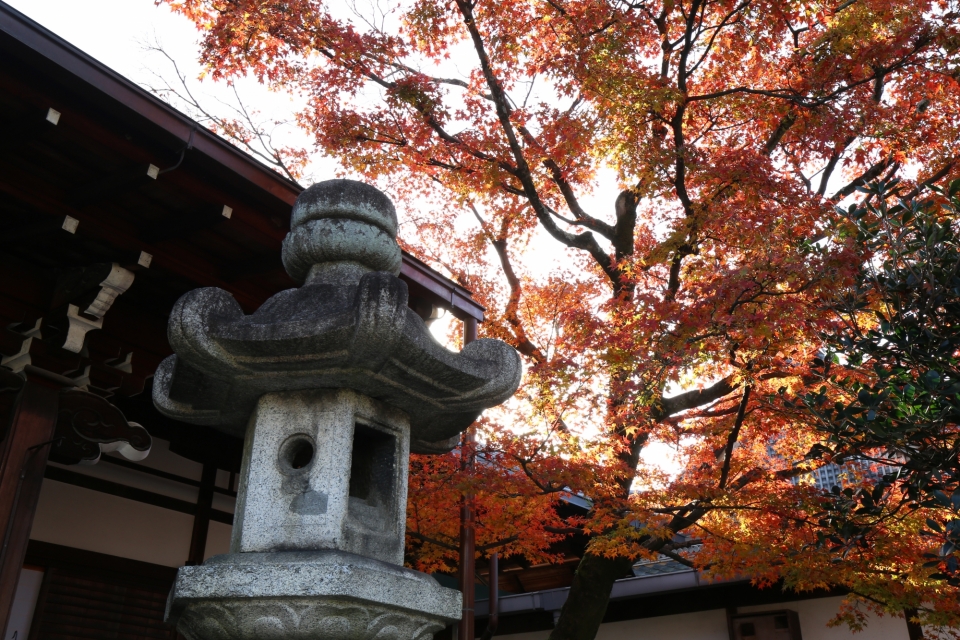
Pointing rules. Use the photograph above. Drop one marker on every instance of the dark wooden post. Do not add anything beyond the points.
(468, 534)
(201, 519)
(493, 619)
(23, 457)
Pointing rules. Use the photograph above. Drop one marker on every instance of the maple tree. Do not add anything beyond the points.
(677, 313)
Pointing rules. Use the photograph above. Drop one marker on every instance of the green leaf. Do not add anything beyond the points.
(954, 188)
(931, 379)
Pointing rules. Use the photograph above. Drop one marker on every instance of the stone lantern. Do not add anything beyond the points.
(332, 385)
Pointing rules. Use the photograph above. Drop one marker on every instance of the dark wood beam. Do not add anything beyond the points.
(183, 225)
(120, 570)
(201, 519)
(253, 266)
(40, 230)
(38, 46)
(263, 225)
(112, 185)
(33, 124)
(442, 291)
(23, 456)
(49, 577)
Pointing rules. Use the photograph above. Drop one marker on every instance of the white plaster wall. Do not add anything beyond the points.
(94, 521)
(814, 615)
(223, 480)
(712, 625)
(135, 479)
(224, 503)
(702, 625)
(85, 519)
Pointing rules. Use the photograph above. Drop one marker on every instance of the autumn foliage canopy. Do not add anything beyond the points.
(644, 195)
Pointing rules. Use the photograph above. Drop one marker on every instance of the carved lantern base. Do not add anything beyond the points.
(308, 595)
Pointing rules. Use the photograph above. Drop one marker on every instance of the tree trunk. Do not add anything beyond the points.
(586, 605)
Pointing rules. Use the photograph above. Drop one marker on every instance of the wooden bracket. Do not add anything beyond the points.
(88, 425)
(87, 316)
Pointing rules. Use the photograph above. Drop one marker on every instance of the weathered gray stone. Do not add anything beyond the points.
(325, 595)
(286, 618)
(331, 385)
(333, 240)
(323, 469)
(346, 199)
(341, 220)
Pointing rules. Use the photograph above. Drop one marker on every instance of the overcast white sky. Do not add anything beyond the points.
(110, 30)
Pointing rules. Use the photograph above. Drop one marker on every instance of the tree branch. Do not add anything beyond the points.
(498, 543)
(864, 178)
(677, 558)
(799, 99)
(511, 313)
(695, 398)
(699, 397)
(556, 173)
(717, 29)
(423, 538)
(568, 531)
(936, 177)
(785, 123)
(623, 232)
(424, 112)
(832, 164)
(585, 240)
(732, 438)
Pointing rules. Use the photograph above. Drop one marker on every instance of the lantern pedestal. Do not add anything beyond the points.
(308, 595)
